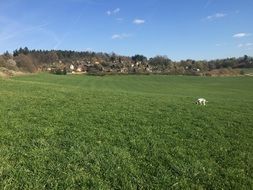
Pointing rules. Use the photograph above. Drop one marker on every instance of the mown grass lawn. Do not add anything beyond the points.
(126, 132)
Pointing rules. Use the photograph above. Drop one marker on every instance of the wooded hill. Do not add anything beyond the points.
(62, 61)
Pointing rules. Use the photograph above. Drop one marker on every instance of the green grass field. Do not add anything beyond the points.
(126, 132)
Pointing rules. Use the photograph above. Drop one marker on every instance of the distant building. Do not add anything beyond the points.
(79, 69)
(72, 67)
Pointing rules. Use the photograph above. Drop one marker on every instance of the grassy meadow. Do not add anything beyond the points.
(126, 132)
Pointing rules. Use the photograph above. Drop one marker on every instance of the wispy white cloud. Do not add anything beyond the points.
(241, 35)
(245, 45)
(249, 44)
(60, 41)
(139, 21)
(216, 16)
(116, 36)
(116, 10)
(120, 36)
(108, 12)
(119, 19)
(13, 32)
(113, 12)
(221, 44)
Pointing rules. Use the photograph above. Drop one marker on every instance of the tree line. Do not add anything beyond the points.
(27, 60)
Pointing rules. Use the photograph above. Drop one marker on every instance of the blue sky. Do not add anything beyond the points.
(180, 29)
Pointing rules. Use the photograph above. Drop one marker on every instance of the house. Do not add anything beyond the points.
(196, 69)
(138, 63)
(148, 69)
(79, 69)
(72, 67)
(124, 70)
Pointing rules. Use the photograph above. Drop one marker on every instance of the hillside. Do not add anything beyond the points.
(62, 62)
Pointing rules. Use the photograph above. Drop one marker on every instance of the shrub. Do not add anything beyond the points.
(59, 71)
(2, 62)
(223, 72)
(24, 62)
(242, 72)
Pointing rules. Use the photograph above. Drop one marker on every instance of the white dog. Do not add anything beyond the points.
(201, 101)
